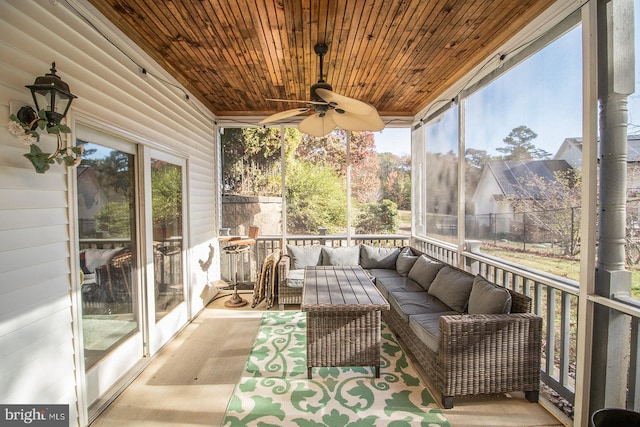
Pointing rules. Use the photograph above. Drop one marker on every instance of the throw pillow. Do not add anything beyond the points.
(341, 256)
(374, 257)
(452, 287)
(304, 256)
(406, 260)
(488, 298)
(424, 270)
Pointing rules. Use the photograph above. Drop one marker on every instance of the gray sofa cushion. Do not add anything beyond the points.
(374, 257)
(295, 279)
(424, 271)
(397, 284)
(304, 256)
(341, 256)
(409, 303)
(452, 287)
(427, 328)
(379, 273)
(405, 261)
(488, 298)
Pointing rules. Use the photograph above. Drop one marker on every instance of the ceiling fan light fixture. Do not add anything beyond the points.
(331, 109)
(317, 125)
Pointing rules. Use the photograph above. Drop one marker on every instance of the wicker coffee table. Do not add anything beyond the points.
(343, 309)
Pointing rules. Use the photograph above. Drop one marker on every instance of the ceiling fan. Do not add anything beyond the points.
(331, 109)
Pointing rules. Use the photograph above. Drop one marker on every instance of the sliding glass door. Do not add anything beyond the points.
(132, 257)
(164, 219)
(112, 315)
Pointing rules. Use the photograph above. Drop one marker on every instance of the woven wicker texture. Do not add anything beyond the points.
(480, 354)
(343, 317)
(286, 294)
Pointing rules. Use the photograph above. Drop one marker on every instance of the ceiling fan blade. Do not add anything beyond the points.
(283, 115)
(359, 122)
(295, 100)
(344, 102)
(317, 126)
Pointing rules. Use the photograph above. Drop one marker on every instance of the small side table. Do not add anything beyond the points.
(232, 251)
(238, 245)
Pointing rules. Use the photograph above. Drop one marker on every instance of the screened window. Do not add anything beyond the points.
(441, 176)
(323, 178)
(523, 151)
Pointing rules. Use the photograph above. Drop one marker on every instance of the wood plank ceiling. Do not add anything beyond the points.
(398, 55)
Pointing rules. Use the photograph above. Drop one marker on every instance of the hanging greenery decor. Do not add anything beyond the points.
(29, 134)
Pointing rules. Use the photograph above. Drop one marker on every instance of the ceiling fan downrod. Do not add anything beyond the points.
(320, 49)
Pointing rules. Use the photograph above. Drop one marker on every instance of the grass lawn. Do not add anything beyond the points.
(404, 219)
(554, 264)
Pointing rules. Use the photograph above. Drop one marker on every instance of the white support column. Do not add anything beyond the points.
(616, 81)
(283, 179)
(348, 145)
(588, 233)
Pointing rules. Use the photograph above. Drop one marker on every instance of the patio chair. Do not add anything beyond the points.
(265, 287)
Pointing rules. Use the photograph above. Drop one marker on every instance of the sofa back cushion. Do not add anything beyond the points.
(452, 287)
(488, 298)
(304, 256)
(405, 261)
(424, 271)
(374, 257)
(341, 256)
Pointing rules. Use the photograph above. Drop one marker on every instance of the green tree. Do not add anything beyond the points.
(378, 218)
(166, 194)
(251, 161)
(114, 220)
(518, 146)
(315, 198)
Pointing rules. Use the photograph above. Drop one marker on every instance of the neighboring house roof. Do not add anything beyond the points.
(633, 148)
(510, 174)
(572, 144)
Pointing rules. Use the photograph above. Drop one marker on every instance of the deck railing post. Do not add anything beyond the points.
(616, 81)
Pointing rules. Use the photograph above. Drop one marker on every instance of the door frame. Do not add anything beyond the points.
(160, 333)
(89, 407)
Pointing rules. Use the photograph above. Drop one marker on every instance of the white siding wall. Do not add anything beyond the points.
(37, 249)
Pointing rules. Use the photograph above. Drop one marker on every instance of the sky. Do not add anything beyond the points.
(543, 93)
(393, 140)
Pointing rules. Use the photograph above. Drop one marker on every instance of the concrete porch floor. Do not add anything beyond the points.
(190, 382)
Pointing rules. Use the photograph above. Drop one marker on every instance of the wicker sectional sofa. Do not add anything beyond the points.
(469, 335)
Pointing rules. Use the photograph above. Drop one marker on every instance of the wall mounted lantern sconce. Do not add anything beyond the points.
(50, 94)
(52, 98)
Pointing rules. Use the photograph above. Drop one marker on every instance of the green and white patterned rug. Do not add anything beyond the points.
(274, 389)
